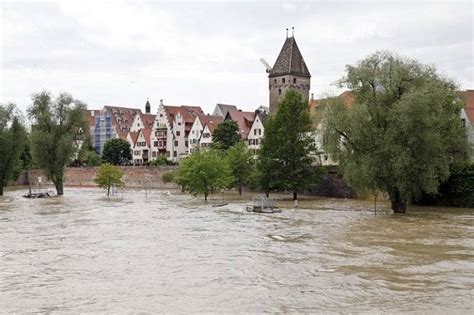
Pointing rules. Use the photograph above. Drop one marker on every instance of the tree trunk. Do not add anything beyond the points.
(205, 197)
(59, 187)
(240, 190)
(108, 190)
(295, 198)
(1, 190)
(399, 205)
(267, 194)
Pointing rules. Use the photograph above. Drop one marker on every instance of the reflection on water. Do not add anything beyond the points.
(87, 253)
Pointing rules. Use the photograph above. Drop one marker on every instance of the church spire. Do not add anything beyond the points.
(147, 107)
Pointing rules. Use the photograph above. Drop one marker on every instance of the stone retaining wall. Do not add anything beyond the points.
(134, 177)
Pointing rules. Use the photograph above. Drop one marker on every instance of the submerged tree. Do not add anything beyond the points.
(117, 152)
(225, 135)
(285, 158)
(402, 135)
(204, 173)
(12, 143)
(109, 176)
(241, 164)
(55, 124)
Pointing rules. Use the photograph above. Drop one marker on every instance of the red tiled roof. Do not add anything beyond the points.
(189, 114)
(468, 99)
(244, 121)
(122, 117)
(147, 135)
(134, 136)
(148, 120)
(211, 121)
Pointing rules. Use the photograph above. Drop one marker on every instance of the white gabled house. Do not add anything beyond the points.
(141, 152)
(255, 135)
(195, 134)
(206, 136)
(171, 130)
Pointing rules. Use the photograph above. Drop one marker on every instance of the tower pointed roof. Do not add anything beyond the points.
(290, 61)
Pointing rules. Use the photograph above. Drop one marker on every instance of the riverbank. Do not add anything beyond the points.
(134, 177)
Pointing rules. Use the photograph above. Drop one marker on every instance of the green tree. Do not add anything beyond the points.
(90, 158)
(204, 173)
(87, 154)
(402, 135)
(241, 164)
(12, 140)
(55, 124)
(285, 158)
(109, 176)
(117, 152)
(225, 135)
(168, 177)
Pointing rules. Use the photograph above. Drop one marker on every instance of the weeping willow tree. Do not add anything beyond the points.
(402, 135)
(55, 126)
(12, 142)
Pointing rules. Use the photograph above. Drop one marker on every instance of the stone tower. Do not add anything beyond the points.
(289, 72)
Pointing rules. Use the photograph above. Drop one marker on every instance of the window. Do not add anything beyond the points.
(256, 141)
(275, 80)
(160, 143)
(178, 133)
(186, 144)
(255, 132)
(259, 131)
(155, 143)
(192, 132)
(175, 154)
(179, 124)
(176, 143)
(136, 152)
(294, 80)
(250, 142)
(279, 91)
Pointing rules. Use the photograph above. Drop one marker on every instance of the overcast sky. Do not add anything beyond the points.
(203, 53)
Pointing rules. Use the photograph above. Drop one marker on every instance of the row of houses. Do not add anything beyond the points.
(177, 131)
(174, 132)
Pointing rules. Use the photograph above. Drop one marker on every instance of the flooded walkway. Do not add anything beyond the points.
(174, 253)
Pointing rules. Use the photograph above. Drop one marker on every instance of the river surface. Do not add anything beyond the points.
(168, 252)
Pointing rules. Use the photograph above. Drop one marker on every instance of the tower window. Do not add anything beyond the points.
(275, 80)
(294, 80)
(283, 80)
(279, 91)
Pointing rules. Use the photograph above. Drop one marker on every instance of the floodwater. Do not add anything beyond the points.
(168, 252)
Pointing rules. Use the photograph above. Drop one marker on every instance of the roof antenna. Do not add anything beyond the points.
(287, 33)
(293, 31)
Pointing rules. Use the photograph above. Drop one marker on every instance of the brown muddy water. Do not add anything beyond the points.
(165, 252)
